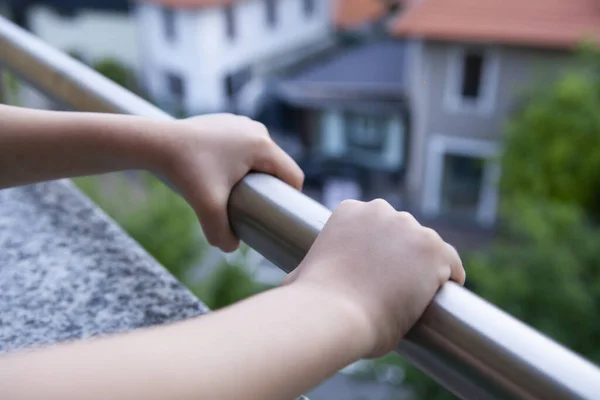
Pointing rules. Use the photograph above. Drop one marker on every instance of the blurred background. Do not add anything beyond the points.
(482, 118)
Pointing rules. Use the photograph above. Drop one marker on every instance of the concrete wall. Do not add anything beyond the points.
(440, 127)
(206, 54)
(94, 35)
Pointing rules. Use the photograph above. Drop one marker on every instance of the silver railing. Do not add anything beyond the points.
(466, 344)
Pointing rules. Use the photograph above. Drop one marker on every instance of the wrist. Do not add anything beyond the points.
(157, 146)
(355, 325)
(125, 141)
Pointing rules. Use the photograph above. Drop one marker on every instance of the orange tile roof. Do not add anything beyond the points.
(190, 3)
(353, 13)
(551, 23)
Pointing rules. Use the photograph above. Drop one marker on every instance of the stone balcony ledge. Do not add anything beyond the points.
(68, 272)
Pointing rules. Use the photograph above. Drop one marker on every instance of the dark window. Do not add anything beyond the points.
(473, 64)
(169, 23)
(229, 90)
(309, 7)
(230, 21)
(461, 187)
(271, 12)
(236, 81)
(176, 87)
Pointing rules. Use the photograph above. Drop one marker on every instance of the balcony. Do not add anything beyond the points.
(466, 344)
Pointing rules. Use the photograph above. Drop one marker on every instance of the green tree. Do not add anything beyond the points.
(547, 274)
(552, 149)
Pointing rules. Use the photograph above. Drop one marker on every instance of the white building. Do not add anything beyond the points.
(94, 30)
(204, 56)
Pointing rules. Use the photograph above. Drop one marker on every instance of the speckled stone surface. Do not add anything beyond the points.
(68, 272)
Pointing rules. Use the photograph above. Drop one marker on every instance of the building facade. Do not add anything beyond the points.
(93, 30)
(469, 67)
(206, 58)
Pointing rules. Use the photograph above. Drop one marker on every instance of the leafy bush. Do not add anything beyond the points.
(228, 283)
(116, 72)
(11, 89)
(552, 149)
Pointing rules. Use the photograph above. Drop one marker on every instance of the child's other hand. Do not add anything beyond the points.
(383, 265)
(208, 155)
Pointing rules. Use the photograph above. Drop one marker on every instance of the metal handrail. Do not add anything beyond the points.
(468, 345)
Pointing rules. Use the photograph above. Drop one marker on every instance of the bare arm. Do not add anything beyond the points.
(273, 346)
(364, 283)
(40, 145)
(204, 157)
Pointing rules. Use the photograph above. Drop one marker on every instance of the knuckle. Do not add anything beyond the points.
(214, 205)
(379, 202)
(261, 128)
(349, 205)
(431, 236)
(430, 240)
(380, 205)
(406, 218)
(262, 140)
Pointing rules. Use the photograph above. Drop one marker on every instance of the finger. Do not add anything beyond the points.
(457, 271)
(212, 213)
(276, 162)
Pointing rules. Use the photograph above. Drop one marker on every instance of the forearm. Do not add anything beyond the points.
(38, 145)
(272, 346)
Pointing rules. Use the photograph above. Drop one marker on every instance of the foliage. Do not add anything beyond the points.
(116, 72)
(153, 215)
(11, 88)
(548, 275)
(553, 143)
(229, 283)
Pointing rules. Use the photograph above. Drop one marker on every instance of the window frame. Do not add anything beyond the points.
(454, 100)
(437, 148)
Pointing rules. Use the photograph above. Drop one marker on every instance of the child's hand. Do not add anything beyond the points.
(383, 264)
(208, 155)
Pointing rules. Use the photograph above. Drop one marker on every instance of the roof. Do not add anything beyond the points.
(351, 13)
(355, 13)
(549, 23)
(191, 3)
(351, 77)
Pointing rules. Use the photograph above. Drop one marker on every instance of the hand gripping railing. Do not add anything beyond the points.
(466, 344)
